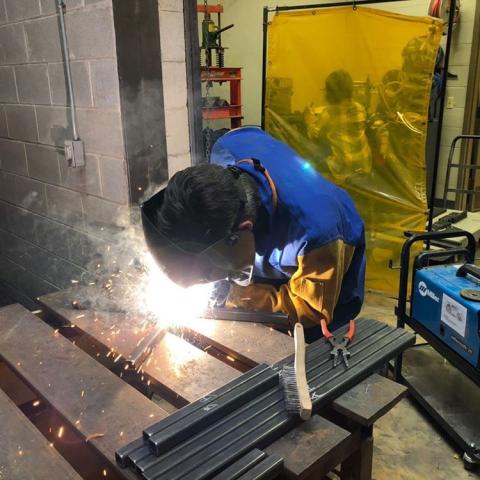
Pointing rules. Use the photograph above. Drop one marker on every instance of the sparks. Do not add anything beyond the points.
(230, 358)
(60, 432)
(36, 403)
(104, 472)
(171, 304)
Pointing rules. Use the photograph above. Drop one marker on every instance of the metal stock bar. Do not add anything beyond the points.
(263, 419)
(284, 8)
(242, 466)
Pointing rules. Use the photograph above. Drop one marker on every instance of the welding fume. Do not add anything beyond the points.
(270, 231)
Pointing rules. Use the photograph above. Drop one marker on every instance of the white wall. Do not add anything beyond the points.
(245, 42)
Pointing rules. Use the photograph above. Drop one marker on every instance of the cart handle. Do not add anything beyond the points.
(470, 270)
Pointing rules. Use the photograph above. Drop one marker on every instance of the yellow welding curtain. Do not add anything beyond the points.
(349, 90)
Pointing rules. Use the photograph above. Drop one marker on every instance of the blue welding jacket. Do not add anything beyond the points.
(313, 231)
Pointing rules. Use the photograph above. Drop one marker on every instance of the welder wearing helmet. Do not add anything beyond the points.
(263, 221)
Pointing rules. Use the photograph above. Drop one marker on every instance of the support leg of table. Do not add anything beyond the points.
(359, 465)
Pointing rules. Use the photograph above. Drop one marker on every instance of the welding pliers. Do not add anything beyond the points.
(339, 348)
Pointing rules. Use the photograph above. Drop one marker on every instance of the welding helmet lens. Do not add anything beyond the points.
(189, 262)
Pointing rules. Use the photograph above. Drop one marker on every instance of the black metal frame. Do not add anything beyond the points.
(404, 318)
(354, 4)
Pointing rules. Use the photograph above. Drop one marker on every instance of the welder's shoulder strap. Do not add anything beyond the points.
(312, 292)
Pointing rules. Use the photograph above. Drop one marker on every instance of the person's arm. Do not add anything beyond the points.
(312, 292)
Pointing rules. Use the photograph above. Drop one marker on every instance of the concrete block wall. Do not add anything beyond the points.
(172, 38)
(52, 216)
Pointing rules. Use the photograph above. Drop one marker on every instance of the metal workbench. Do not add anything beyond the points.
(73, 369)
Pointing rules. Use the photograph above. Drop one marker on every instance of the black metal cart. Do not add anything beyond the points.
(448, 391)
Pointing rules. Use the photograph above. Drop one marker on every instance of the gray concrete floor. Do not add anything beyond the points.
(407, 445)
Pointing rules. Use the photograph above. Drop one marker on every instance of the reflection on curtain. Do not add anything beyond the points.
(349, 90)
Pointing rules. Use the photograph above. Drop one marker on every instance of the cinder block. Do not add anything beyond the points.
(102, 213)
(43, 163)
(8, 91)
(11, 273)
(52, 236)
(177, 163)
(81, 84)
(12, 41)
(5, 211)
(53, 269)
(460, 55)
(23, 223)
(4, 240)
(32, 82)
(174, 85)
(105, 83)
(16, 249)
(3, 13)
(33, 286)
(21, 122)
(114, 179)
(65, 205)
(30, 194)
(83, 179)
(50, 6)
(172, 36)
(43, 40)
(83, 249)
(13, 156)
(22, 9)
(3, 124)
(66, 273)
(178, 136)
(54, 125)
(41, 263)
(7, 186)
(91, 33)
(102, 131)
(7, 190)
(171, 5)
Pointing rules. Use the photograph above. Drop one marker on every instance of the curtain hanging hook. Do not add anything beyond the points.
(354, 4)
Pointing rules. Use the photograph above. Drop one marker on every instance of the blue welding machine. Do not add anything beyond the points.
(446, 301)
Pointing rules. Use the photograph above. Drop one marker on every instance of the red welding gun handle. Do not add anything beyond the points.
(351, 331)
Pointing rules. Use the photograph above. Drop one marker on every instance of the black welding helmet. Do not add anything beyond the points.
(188, 263)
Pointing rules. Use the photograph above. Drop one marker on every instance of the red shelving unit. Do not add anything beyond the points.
(233, 75)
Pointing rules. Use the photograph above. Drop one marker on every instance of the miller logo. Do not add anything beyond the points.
(424, 291)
